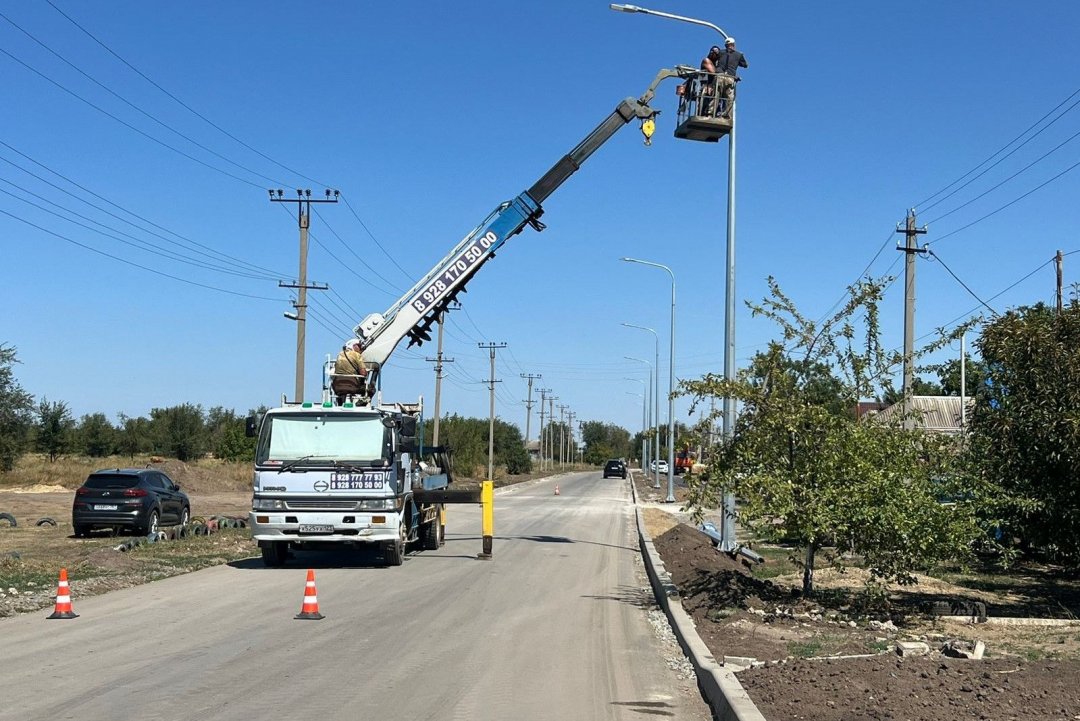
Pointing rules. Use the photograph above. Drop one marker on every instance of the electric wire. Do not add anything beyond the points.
(957, 279)
(1000, 150)
(135, 107)
(134, 264)
(181, 102)
(191, 244)
(128, 125)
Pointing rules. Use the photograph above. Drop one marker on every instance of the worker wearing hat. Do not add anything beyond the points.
(349, 371)
(724, 65)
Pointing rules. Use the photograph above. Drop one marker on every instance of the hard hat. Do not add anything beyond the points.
(350, 342)
(729, 41)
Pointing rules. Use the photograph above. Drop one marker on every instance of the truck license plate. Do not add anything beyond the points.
(105, 507)
(316, 528)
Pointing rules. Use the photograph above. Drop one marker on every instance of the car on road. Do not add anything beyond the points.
(136, 499)
(615, 468)
(660, 466)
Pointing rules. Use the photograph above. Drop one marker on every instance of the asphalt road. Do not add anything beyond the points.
(557, 626)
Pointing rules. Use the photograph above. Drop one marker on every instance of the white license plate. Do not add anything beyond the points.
(316, 528)
(105, 507)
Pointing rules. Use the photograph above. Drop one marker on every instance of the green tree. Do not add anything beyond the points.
(975, 375)
(605, 440)
(16, 411)
(180, 431)
(1025, 425)
(133, 436)
(95, 435)
(54, 429)
(228, 438)
(815, 475)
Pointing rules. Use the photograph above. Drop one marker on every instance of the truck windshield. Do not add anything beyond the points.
(321, 438)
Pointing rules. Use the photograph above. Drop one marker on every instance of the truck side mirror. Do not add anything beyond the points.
(408, 426)
(407, 444)
(251, 426)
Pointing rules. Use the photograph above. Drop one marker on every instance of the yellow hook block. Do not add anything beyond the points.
(648, 127)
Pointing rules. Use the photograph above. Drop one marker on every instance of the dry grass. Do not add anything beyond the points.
(34, 472)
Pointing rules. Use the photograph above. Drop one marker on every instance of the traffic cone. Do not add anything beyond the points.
(63, 599)
(310, 610)
(556, 489)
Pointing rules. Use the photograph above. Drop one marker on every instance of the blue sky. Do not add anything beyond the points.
(426, 115)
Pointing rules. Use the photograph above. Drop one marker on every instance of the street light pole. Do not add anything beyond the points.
(656, 399)
(653, 420)
(671, 381)
(644, 404)
(727, 529)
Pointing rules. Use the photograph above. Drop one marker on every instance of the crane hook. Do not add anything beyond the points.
(648, 127)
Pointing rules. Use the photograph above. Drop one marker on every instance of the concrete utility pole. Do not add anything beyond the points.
(529, 404)
(562, 436)
(303, 202)
(571, 449)
(438, 360)
(910, 250)
(1059, 261)
(551, 431)
(492, 347)
(543, 399)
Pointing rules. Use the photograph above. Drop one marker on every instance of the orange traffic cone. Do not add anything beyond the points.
(556, 489)
(63, 599)
(310, 609)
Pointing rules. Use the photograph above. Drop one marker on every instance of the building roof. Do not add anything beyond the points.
(938, 414)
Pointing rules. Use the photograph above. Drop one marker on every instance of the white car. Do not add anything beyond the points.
(663, 466)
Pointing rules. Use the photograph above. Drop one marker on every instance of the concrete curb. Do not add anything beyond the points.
(726, 696)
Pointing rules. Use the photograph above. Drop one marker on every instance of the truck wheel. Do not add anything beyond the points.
(429, 539)
(274, 553)
(395, 550)
(442, 534)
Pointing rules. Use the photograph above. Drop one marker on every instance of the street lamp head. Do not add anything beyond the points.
(625, 8)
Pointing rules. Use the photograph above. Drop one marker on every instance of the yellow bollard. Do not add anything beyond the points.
(487, 503)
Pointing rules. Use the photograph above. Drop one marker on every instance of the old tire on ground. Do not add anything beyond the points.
(274, 553)
(182, 532)
(9, 518)
(46, 521)
(199, 529)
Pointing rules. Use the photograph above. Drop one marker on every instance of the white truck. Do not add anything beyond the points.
(353, 469)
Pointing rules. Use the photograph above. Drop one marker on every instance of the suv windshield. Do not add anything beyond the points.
(322, 438)
(111, 480)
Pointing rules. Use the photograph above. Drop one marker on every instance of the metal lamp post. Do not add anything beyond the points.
(654, 421)
(656, 397)
(728, 521)
(644, 403)
(671, 381)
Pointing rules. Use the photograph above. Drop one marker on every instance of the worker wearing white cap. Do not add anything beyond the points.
(727, 66)
(349, 371)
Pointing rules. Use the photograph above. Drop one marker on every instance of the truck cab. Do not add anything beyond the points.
(328, 475)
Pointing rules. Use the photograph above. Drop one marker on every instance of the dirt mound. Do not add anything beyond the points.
(39, 488)
(925, 688)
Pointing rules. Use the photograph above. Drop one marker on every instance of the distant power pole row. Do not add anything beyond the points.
(492, 347)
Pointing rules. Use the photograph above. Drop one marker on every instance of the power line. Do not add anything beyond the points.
(957, 279)
(997, 152)
(374, 239)
(191, 243)
(128, 125)
(132, 263)
(181, 102)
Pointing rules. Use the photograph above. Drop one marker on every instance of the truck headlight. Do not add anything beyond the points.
(268, 504)
(378, 504)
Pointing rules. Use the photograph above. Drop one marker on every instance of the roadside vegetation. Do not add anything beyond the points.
(835, 489)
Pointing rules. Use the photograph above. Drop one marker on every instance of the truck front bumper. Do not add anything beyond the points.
(377, 527)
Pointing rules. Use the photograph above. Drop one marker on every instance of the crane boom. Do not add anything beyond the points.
(420, 307)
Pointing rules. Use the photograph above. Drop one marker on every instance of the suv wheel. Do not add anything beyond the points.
(151, 526)
(185, 516)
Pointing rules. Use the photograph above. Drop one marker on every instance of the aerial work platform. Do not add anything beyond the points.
(705, 111)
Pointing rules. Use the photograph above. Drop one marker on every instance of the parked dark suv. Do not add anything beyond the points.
(138, 499)
(614, 467)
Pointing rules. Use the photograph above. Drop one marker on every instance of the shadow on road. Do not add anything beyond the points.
(546, 539)
(630, 595)
(649, 708)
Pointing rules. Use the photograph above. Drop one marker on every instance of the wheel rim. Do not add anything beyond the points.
(184, 517)
(153, 524)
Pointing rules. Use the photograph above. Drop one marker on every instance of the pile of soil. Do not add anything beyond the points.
(739, 615)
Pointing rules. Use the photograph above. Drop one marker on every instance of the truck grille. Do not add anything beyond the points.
(295, 505)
